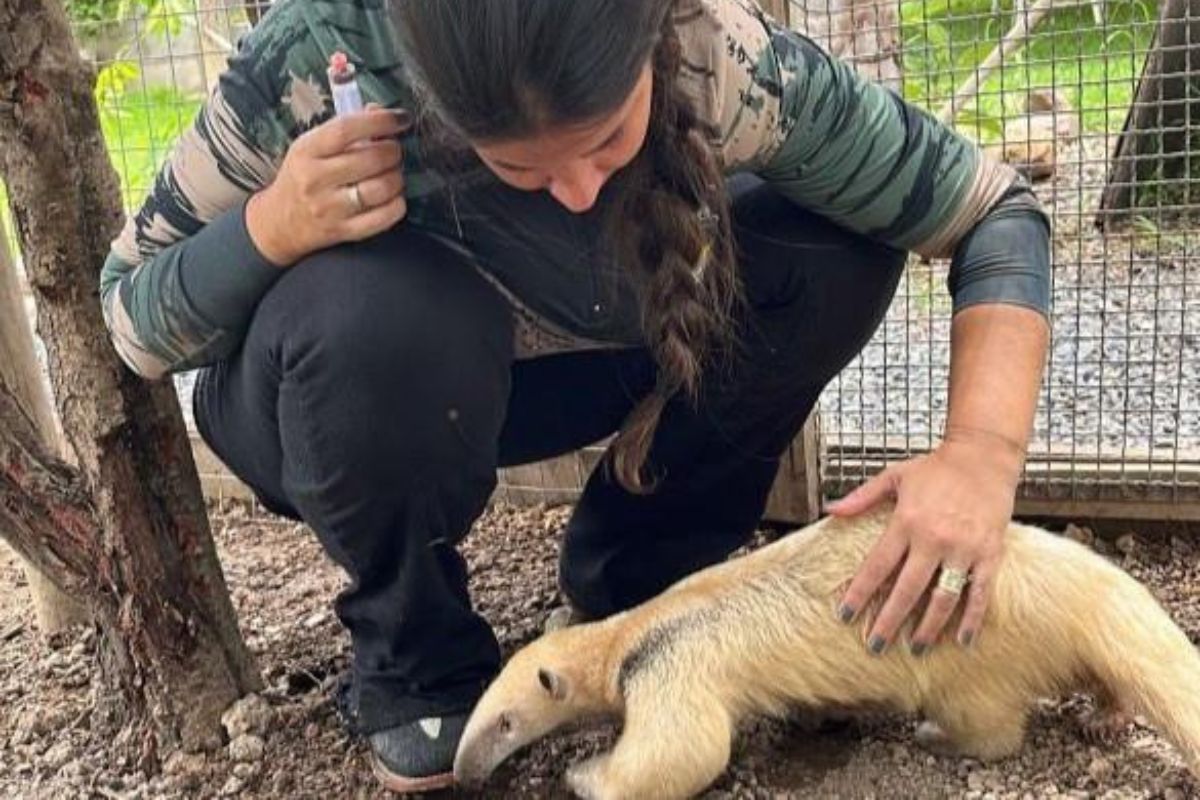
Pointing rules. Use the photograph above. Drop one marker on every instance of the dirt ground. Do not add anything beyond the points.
(282, 587)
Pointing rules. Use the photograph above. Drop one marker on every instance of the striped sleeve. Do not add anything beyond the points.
(857, 153)
(182, 279)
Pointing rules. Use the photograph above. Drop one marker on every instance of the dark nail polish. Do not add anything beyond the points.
(845, 612)
(918, 649)
(966, 638)
(404, 117)
(876, 644)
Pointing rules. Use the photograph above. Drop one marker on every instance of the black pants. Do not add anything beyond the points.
(377, 392)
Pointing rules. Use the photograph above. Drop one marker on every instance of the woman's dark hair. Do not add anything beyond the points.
(495, 70)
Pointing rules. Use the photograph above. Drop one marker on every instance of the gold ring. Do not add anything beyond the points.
(356, 198)
(953, 580)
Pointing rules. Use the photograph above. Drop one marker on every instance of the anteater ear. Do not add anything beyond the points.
(554, 685)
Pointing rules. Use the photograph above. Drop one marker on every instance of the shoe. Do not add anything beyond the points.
(418, 756)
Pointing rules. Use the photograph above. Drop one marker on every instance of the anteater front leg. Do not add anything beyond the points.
(669, 748)
(987, 726)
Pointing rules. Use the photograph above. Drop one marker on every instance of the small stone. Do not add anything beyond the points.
(180, 762)
(246, 771)
(232, 787)
(282, 782)
(57, 755)
(40, 722)
(133, 780)
(73, 771)
(247, 747)
(315, 619)
(1078, 533)
(251, 714)
(23, 731)
(312, 730)
(1101, 769)
(975, 781)
(1173, 793)
(1126, 544)
(188, 781)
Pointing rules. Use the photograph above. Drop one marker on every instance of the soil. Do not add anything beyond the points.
(294, 746)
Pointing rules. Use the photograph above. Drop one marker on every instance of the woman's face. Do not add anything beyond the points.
(573, 162)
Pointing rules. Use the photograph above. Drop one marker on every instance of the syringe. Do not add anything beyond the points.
(347, 99)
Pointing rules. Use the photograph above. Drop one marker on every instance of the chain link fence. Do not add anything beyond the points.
(1096, 101)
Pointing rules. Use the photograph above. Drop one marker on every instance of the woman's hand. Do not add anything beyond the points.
(342, 181)
(952, 508)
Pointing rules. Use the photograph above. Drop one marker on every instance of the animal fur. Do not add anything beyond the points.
(759, 635)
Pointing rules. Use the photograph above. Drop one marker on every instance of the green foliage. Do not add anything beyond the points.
(140, 122)
(1095, 68)
(90, 12)
(158, 17)
(139, 125)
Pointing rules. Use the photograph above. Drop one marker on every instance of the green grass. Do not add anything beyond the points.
(1094, 68)
(140, 127)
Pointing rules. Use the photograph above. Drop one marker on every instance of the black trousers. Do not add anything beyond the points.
(377, 392)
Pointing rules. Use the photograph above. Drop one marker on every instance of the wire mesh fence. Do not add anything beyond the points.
(1096, 101)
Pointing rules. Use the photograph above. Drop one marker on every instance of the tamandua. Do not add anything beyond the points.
(760, 634)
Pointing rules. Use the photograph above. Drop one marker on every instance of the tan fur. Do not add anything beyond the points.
(759, 634)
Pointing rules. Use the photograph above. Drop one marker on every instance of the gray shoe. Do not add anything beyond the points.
(419, 756)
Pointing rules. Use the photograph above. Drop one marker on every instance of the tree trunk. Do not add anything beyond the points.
(1151, 155)
(19, 370)
(127, 531)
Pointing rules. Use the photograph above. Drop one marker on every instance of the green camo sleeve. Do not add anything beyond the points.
(857, 153)
(183, 278)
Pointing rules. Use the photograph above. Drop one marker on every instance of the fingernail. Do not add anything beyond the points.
(966, 638)
(876, 644)
(845, 612)
(918, 649)
(404, 117)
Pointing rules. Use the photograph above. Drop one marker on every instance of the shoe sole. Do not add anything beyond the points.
(403, 784)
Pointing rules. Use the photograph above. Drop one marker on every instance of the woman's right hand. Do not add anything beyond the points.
(339, 182)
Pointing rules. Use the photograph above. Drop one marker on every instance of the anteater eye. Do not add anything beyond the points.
(505, 724)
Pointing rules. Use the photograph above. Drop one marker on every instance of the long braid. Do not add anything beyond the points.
(671, 225)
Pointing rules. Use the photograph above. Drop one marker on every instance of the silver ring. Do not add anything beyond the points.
(953, 580)
(356, 198)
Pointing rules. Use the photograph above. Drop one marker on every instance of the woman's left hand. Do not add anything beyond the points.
(952, 508)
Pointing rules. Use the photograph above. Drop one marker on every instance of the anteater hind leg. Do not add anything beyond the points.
(987, 728)
(669, 748)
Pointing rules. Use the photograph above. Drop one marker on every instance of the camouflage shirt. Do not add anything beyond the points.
(183, 278)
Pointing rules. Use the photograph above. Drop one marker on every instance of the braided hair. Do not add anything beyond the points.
(502, 69)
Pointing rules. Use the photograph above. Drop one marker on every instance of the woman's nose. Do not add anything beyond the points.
(577, 189)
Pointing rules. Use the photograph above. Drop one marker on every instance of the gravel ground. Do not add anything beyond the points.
(293, 747)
